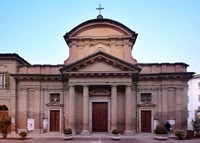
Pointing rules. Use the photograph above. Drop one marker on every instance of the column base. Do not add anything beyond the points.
(85, 132)
(73, 132)
(129, 132)
(20, 130)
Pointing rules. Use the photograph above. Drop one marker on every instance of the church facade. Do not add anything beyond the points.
(99, 87)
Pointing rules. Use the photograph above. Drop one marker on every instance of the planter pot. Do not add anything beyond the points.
(115, 136)
(67, 137)
(161, 136)
(22, 137)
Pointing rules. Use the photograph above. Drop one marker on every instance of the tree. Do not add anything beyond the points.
(5, 123)
(196, 126)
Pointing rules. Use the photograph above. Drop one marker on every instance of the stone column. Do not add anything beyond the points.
(114, 107)
(72, 109)
(85, 130)
(134, 109)
(128, 112)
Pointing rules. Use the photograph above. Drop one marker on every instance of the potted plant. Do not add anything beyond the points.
(67, 134)
(196, 126)
(23, 134)
(115, 134)
(161, 132)
(180, 134)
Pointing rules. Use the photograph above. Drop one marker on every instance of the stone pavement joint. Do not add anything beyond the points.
(93, 138)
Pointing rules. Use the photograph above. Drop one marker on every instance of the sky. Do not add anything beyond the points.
(168, 30)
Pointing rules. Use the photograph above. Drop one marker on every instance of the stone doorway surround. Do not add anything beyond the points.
(55, 107)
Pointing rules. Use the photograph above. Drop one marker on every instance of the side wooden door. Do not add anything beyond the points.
(54, 120)
(145, 121)
(99, 117)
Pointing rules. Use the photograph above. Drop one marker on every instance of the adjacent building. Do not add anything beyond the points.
(99, 87)
(194, 99)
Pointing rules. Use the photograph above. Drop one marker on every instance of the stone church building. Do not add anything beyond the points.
(99, 87)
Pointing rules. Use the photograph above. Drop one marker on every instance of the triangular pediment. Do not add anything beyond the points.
(100, 62)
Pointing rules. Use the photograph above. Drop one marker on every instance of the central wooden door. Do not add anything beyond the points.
(145, 121)
(99, 117)
(54, 120)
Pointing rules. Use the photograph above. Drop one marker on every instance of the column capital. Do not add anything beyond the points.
(128, 85)
(114, 85)
(85, 85)
(71, 85)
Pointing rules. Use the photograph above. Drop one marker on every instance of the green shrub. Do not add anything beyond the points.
(5, 122)
(23, 134)
(115, 131)
(160, 129)
(180, 134)
(67, 131)
(196, 126)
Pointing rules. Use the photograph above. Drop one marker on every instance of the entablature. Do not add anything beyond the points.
(165, 76)
(55, 77)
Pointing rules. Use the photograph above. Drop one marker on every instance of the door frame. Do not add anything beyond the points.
(50, 118)
(90, 112)
(140, 110)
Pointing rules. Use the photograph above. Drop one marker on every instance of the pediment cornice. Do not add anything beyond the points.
(36, 77)
(54, 104)
(146, 104)
(100, 57)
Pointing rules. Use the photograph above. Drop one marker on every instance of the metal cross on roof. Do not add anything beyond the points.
(99, 9)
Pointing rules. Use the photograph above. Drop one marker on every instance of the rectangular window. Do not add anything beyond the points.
(3, 80)
(199, 98)
(146, 97)
(55, 97)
